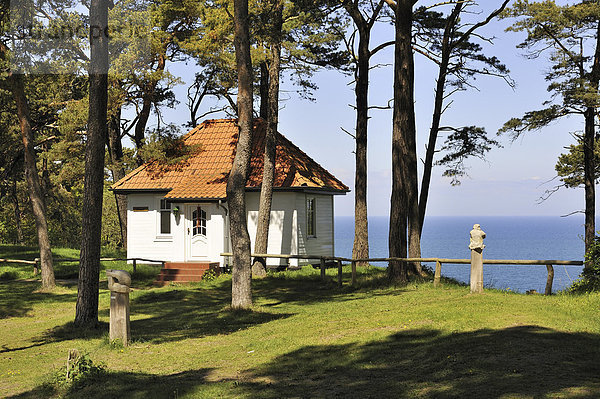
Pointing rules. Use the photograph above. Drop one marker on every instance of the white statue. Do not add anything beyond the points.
(477, 236)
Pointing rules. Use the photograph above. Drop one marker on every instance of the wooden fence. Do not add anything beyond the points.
(36, 262)
(438, 264)
(338, 260)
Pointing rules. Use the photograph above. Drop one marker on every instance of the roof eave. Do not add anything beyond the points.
(139, 190)
(316, 190)
(196, 199)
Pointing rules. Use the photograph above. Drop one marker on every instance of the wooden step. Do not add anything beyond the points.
(184, 272)
(188, 265)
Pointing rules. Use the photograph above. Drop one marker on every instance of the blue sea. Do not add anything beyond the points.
(531, 237)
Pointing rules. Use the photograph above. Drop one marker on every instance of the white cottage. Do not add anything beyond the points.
(179, 213)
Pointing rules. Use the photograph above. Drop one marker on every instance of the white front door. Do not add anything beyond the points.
(197, 232)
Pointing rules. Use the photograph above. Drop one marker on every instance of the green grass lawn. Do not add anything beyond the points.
(143, 277)
(307, 338)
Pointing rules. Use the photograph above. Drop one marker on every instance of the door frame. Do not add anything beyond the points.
(188, 233)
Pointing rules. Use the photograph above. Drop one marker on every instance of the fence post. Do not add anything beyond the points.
(438, 273)
(134, 264)
(339, 265)
(353, 272)
(36, 269)
(322, 268)
(549, 280)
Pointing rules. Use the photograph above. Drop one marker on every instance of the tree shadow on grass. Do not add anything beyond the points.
(308, 289)
(17, 297)
(65, 332)
(114, 384)
(165, 316)
(526, 361)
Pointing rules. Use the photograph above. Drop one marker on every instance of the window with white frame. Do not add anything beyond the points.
(165, 217)
(311, 220)
(199, 220)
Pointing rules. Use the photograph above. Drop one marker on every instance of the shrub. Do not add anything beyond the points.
(79, 367)
(209, 275)
(590, 277)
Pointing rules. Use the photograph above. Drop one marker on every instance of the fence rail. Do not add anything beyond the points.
(26, 262)
(438, 264)
(324, 259)
(36, 261)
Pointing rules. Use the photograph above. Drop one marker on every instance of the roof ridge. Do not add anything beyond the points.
(218, 120)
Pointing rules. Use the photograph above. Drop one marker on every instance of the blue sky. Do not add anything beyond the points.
(508, 183)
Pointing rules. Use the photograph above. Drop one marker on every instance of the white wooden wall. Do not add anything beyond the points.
(323, 241)
(145, 241)
(287, 229)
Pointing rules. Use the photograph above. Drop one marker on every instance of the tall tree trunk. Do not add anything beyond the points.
(437, 113)
(241, 275)
(33, 182)
(45, 174)
(589, 178)
(360, 248)
(449, 43)
(86, 310)
(17, 212)
(115, 153)
(266, 189)
(409, 149)
(403, 133)
(589, 144)
(147, 101)
(264, 91)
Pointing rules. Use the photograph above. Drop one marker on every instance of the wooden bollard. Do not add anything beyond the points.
(353, 273)
(339, 265)
(134, 264)
(119, 282)
(323, 269)
(549, 280)
(438, 273)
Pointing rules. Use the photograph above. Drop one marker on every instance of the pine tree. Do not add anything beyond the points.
(571, 35)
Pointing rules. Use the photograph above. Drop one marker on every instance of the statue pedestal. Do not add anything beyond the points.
(119, 282)
(476, 271)
(119, 317)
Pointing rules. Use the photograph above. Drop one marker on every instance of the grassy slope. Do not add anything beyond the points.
(306, 338)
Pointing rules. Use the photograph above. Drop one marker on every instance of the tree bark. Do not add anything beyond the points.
(241, 275)
(403, 142)
(33, 182)
(266, 189)
(360, 248)
(264, 91)
(86, 310)
(115, 153)
(589, 178)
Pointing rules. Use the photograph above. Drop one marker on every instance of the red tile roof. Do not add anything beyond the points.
(204, 174)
